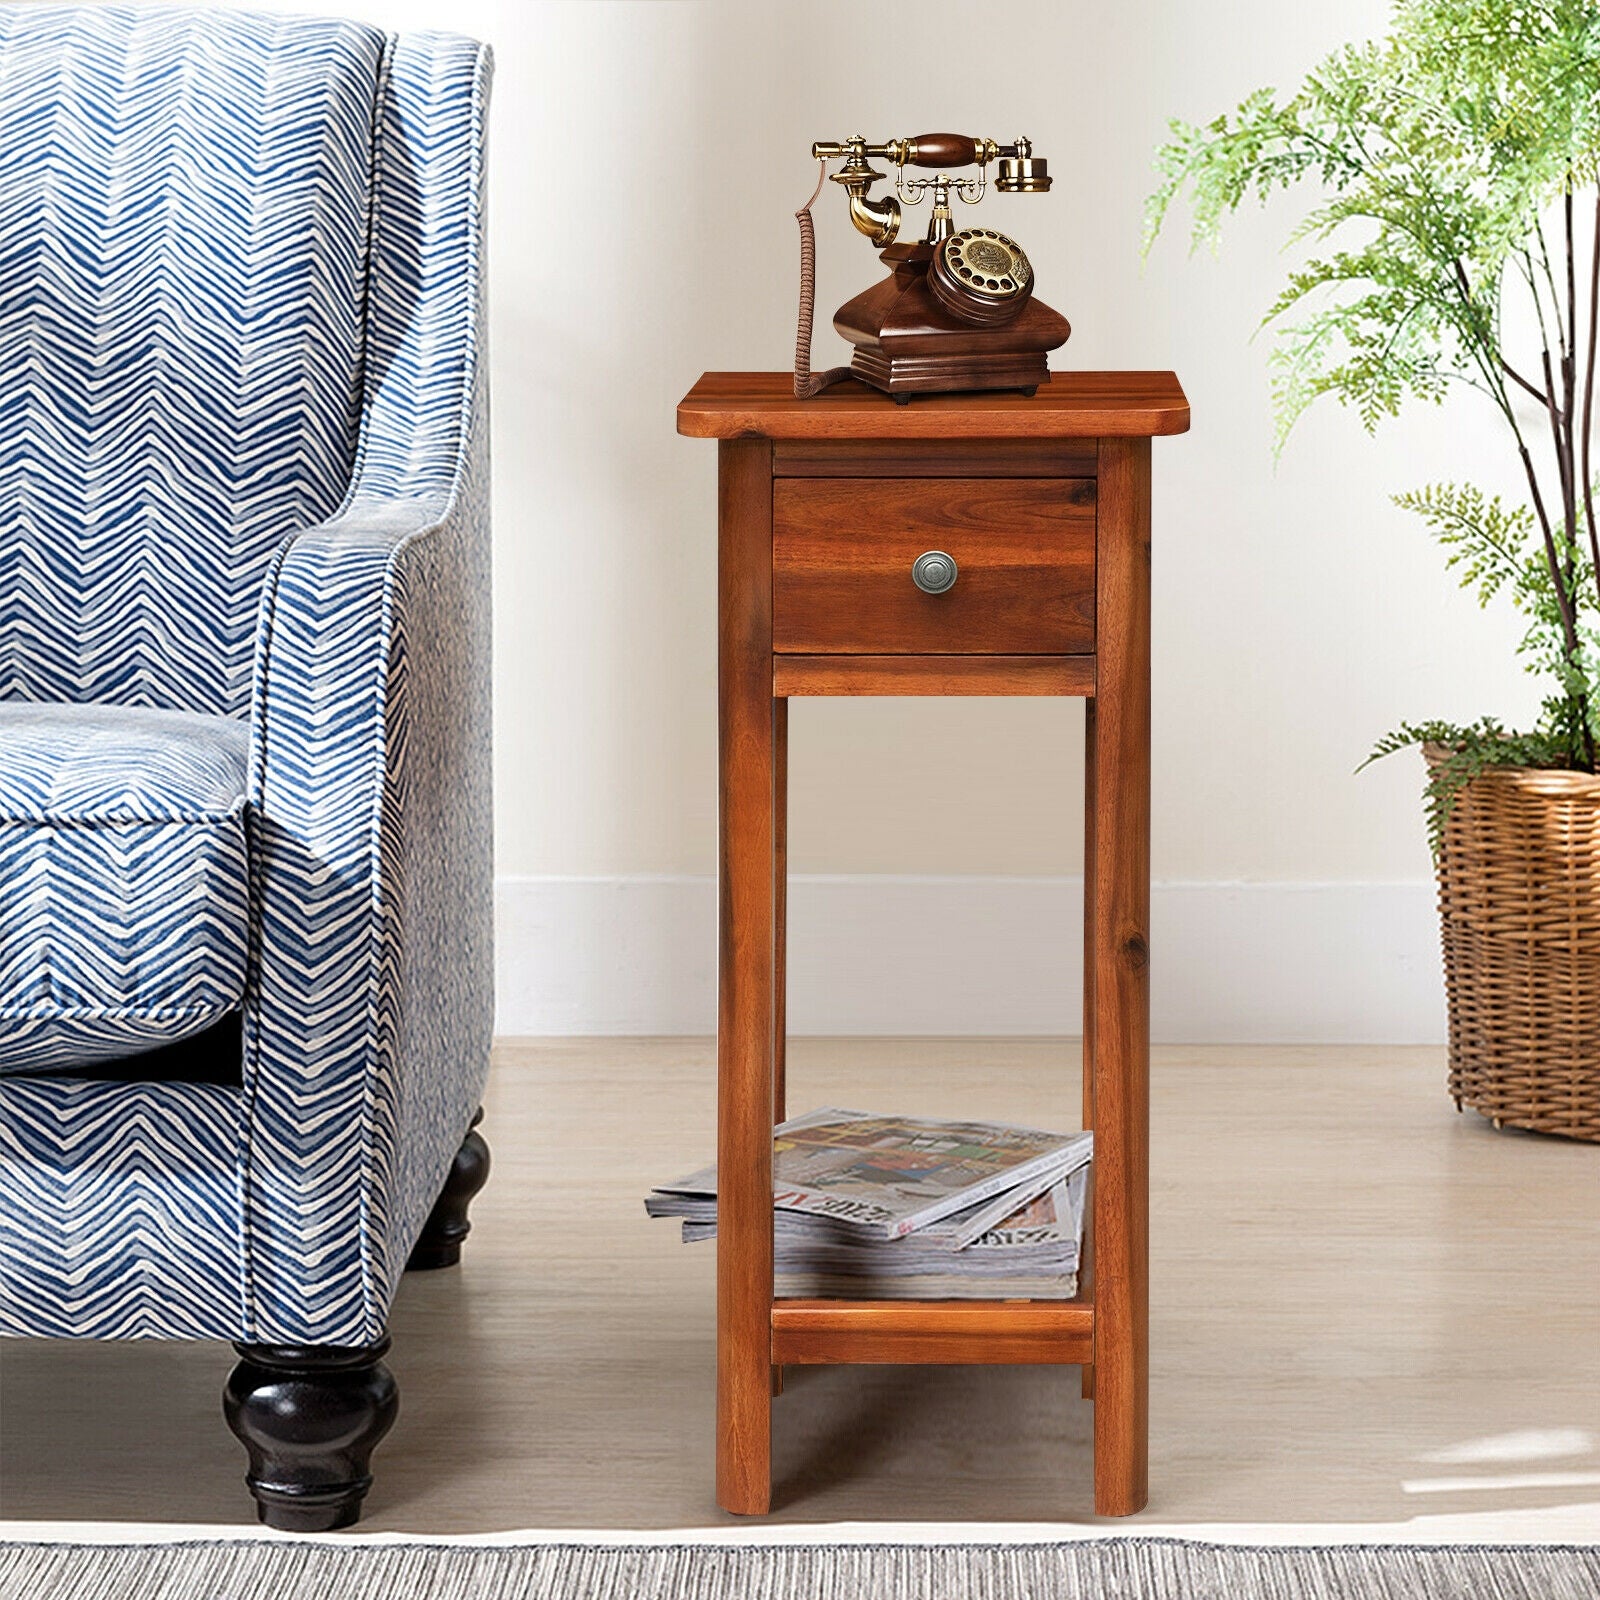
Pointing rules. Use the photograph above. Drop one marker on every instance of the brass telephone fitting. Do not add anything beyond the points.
(879, 220)
(1017, 171)
(1020, 172)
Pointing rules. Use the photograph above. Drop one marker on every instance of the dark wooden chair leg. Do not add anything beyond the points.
(439, 1244)
(309, 1418)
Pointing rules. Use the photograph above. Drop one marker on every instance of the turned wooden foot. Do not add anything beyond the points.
(439, 1244)
(309, 1418)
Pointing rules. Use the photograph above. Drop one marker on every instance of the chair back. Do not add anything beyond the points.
(185, 201)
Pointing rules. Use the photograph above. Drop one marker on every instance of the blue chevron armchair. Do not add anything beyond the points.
(245, 860)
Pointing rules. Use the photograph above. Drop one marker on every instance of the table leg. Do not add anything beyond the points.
(780, 927)
(780, 908)
(1088, 953)
(746, 725)
(1120, 785)
(1088, 910)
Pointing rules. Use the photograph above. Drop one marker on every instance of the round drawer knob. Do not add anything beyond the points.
(933, 572)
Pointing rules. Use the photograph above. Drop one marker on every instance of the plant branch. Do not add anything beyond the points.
(1569, 626)
(1565, 442)
(1464, 289)
(1486, 350)
(1541, 395)
(1560, 569)
(1531, 278)
(1550, 278)
(1559, 419)
(1588, 393)
(1564, 597)
(1572, 288)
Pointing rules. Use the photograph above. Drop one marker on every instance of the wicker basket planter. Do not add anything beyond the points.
(1519, 912)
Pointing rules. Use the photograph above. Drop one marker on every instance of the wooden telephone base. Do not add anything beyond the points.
(907, 343)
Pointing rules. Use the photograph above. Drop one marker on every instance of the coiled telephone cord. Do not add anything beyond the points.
(806, 382)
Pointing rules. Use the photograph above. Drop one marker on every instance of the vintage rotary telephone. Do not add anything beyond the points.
(957, 309)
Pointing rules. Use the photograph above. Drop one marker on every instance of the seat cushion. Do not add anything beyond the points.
(124, 904)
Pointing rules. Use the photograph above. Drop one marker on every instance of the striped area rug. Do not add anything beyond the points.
(1106, 1569)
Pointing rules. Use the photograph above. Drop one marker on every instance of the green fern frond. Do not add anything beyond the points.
(1467, 751)
(1436, 156)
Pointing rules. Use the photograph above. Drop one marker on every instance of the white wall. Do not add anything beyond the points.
(647, 160)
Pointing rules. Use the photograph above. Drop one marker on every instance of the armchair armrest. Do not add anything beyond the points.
(370, 1006)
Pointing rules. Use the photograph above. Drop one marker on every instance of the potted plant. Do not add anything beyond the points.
(1455, 166)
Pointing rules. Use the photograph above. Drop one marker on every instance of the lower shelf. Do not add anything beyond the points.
(934, 1332)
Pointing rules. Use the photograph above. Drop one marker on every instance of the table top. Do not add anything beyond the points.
(1072, 405)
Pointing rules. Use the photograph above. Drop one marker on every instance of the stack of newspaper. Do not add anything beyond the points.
(912, 1208)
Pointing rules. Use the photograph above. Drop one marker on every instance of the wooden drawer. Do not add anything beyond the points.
(843, 549)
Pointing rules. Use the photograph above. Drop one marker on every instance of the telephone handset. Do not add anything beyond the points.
(957, 310)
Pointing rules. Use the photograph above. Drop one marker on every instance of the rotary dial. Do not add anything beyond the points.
(987, 262)
(980, 276)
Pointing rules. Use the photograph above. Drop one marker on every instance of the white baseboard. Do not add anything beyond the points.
(1231, 962)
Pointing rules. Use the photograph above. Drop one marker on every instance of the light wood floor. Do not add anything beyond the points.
(1365, 1309)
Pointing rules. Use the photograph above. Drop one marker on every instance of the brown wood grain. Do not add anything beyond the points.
(1053, 596)
(1086, 1269)
(934, 458)
(745, 990)
(1021, 1332)
(1071, 405)
(943, 150)
(1088, 910)
(843, 550)
(1122, 982)
(925, 675)
(780, 906)
(780, 928)
(908, 342)
(1086, 1280)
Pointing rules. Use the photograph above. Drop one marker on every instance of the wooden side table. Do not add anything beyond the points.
(1041, 508)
